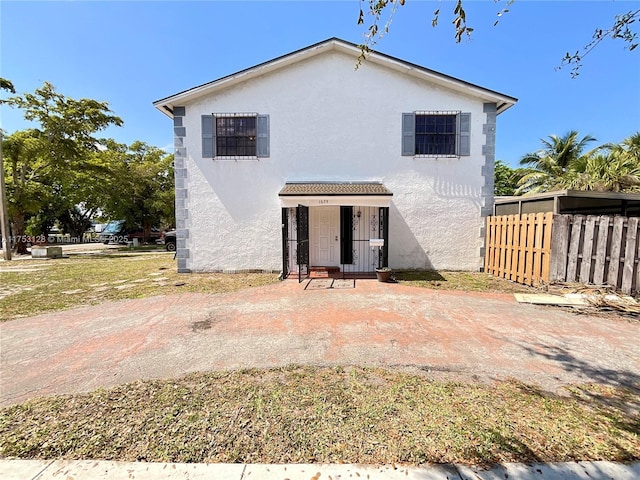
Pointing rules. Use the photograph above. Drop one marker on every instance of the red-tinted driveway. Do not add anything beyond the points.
(444, 334)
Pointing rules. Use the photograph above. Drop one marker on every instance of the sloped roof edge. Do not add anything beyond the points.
(165, 105)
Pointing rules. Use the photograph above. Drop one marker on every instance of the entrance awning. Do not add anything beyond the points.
(314, 194)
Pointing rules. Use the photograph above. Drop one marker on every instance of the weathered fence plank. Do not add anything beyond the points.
(574, 248)
(547, 225)
(614, 255)
(559, 247)
(601, 250)
(629, 255)
(587, 249)
(637, 289)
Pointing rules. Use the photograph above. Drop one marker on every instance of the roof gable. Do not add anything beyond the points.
(165, 105)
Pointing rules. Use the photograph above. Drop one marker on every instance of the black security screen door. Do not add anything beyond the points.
(384, 231)
(285, 243)
(302, 221)
(346, 235)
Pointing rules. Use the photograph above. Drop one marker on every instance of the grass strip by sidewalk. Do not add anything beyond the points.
(342, 415)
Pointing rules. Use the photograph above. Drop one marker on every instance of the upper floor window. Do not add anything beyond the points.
(437, 134)
(235, 135)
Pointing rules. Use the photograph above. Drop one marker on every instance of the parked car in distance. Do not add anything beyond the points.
(169, 239)
(116, 231)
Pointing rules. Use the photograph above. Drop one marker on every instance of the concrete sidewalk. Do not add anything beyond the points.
(92, 469)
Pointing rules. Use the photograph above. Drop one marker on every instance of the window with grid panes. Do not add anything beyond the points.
(435, 134)
(236, 136)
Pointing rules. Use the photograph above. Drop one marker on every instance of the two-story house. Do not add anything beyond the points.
(305, 161)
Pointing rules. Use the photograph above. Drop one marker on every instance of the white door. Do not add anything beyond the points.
(324, 236)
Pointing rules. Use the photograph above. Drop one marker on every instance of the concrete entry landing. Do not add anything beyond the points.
(441, 334)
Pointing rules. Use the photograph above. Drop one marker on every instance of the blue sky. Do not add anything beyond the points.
(132, 53)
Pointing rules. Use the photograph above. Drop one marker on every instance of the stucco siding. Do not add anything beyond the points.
(329, 122)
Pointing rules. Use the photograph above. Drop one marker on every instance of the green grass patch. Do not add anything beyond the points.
(350, 415)
(37, 286)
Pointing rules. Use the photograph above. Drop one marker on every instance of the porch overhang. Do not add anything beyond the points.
(317, 194)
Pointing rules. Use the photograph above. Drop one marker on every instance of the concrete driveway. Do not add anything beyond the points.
(443, 334)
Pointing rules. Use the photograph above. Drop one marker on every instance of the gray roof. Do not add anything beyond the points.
(333, 188)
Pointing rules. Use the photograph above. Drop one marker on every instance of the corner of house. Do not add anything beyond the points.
(182, 191)
(488, 169)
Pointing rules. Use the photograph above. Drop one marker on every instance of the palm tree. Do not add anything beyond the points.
(545, 169)
(614, 168)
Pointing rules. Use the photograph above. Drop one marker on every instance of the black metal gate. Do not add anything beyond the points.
(384, 231)
(358, 225)
(302, 222)
(285, 243)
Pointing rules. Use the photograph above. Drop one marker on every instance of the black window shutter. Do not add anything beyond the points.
(346, 235)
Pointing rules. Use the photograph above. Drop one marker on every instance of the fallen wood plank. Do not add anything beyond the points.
(546, 299)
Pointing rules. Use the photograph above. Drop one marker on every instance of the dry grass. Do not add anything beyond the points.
(30, 287)
(35, 286)
(467, 281)
(351, 415)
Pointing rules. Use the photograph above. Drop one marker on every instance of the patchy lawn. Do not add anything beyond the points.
(351, 415)
(468, 281)
(29, 287)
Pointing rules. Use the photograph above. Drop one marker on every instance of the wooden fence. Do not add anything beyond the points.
(519, 247)
(543, 248)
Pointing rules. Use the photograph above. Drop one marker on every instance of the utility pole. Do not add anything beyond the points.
(4, 217)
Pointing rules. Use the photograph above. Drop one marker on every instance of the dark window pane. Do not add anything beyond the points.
(235, 136)
(435, 134)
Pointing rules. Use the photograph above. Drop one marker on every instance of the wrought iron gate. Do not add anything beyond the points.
(358, 225)
(302, 222)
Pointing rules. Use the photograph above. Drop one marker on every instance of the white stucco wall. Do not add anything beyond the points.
(329, 122)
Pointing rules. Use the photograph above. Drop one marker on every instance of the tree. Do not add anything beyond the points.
(141, 185)
(563, 164)
(621, 28)
(7, 85)
(4, 221)
(545, 169)
(505, 179)
(610, 168)
(43, 159)
(27, 179)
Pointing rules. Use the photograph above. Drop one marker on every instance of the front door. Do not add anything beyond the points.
(325, 236)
